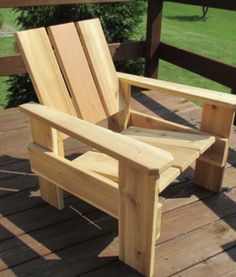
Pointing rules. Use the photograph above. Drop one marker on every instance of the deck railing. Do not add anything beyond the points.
(214, 70)
(152, 49)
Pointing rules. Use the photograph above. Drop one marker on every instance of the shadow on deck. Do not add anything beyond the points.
(198, 227)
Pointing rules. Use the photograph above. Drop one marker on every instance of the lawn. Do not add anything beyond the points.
(182, 26)
(215, 37)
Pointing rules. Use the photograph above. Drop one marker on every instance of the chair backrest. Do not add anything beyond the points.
(72, 70)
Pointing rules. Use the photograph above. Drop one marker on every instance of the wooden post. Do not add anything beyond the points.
(216, 120)
(153, 37)
(46, 137)
(138, 221)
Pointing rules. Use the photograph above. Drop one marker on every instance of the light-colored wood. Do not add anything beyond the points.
(167, 177)
(120, 121)
(100, 163)
(51, 193)
(89, 186)
(78, 179)
(14, 64)
(71, 57)
(219, 121)
(138, 119)
(133, 153)
(159, 214)
(143, 161)
(169, 138)
(47, 137)
(101, 65)
(108, 167)
(217, 154)
(138, 205)
(43, 69)
(183, 157)
(210, 96)
(25, 3)
(208, 175)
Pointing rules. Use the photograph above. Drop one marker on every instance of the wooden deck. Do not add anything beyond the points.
(198, 236)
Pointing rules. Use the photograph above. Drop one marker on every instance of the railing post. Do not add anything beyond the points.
(153, 37)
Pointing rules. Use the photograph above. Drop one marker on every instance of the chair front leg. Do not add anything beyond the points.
(46, 137)
(138, 219)
(216, 120)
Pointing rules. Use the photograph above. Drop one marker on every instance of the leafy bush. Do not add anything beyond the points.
(119, 23)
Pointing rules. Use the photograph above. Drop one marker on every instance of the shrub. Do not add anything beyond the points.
(119, 23)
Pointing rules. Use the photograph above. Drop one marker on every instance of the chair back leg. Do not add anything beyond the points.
(209, 172)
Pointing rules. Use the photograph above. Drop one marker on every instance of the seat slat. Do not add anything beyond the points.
(101, 65)
(99, 163)
(43, 70)
(158, 138)
(75, 68)
(108, 167)
(183, 157)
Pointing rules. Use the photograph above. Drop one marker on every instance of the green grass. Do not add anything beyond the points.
(182, 27)
(9, 16)
(214, 37)
(6, 46)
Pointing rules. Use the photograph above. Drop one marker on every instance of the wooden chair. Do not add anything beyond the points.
(75, 80)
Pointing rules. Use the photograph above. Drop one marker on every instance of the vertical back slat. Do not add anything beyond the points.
(75, 68)
(43, 69)
(101, 65)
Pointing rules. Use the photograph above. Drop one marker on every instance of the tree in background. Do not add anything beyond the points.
(119, 20)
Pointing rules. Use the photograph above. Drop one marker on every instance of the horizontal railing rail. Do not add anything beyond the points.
(220, 4)
(214, 70)
(26, 3)
(152, 49)
(12, 65)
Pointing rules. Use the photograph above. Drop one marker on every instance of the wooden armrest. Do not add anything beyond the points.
(134, 153)
(205, 95)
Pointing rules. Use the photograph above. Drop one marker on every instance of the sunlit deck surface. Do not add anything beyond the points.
(198, 236)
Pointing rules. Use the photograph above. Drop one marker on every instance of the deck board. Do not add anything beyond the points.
(198, 226)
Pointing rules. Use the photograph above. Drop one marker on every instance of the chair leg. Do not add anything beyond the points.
(51, 193)
(138, 212)
(44, 136)
(216, 120)
(209, 176)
